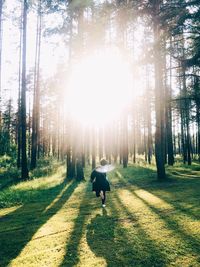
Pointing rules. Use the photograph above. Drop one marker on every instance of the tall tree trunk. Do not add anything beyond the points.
(24, 171)
(79, 168)
(115, 142)
(36, 95)
(183, 146)
(93, 134)
(107, 142)
(148, 118)
(134, 138)
(19, 96)
(29, 131)
(100, 143)
(38, 82)
(79, 162)
(168, 96)
(1, 34)
(69, 152)
(198, 131)
(125, 141)
(175, 136)
(159, 107)
(186, 120)
(73, 151)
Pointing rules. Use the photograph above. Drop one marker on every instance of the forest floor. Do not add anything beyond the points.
(50, 222)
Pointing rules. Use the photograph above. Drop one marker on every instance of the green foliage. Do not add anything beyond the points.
(8, 172)
(45, 167)
(7, 146)
(11, 173)
(6, 161)
(8, 129)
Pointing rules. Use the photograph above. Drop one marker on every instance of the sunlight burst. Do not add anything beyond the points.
(99, 89)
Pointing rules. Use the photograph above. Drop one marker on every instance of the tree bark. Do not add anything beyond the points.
(19, 97)
(24, 171)
(170, 149)
(125, 141)
(36, 96)
(1, 9)
(159, 107)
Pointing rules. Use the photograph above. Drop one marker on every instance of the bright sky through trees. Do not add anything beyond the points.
(115, 73)
(125, 70)
(99, 88)
(51, 56)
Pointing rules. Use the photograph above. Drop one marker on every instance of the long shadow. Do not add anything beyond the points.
(191, 243)
(143, 247)
(144, 176)
(180, 204)
(18, 227)
(8, 184)
(71, 255)
(172, 185)
(107, 239)
(101, 238)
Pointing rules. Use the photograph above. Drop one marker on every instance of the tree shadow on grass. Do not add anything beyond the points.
(17, 229)
(100, 238)
(107, 238)
(144, 251)
(146, 176)
(185, 203)
(191, 244)
(72, 256)
(140, 176)
(176, 191)
(182, 192)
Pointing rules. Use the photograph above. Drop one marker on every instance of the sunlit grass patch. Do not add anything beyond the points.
(6, 211)
(43, 182)
(10, 174)
(166, 210)
(133, 243)
(32, 190)
(47, 245)
(166, 213)
(184, 171)
(45, 167)
(145, 222)
(173, 244)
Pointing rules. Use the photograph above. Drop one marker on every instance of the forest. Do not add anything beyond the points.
(86, 80)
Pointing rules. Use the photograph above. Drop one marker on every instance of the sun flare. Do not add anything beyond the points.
(99, 89)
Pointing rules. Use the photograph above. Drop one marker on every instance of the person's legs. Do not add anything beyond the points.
(97, 193)
(101, 194)
(103, 199)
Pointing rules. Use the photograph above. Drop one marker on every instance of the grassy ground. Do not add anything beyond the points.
(9, 174)
(51, 222)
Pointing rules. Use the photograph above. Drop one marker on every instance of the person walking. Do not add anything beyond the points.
(100, 183)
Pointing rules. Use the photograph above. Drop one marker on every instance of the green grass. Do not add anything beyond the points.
(9, 174)
(146, 223)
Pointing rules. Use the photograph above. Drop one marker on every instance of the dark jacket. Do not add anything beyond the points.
(99, 181)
